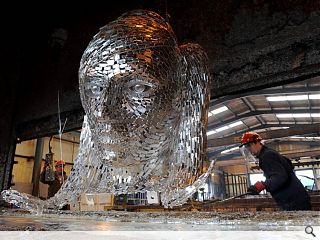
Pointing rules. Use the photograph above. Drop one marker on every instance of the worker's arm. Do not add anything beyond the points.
(275, 173)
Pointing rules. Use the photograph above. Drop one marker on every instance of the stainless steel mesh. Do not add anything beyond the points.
(146, 102)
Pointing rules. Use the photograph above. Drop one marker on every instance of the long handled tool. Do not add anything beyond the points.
(230, 198)
(219, 201)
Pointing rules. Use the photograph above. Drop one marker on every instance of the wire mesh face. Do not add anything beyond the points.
(146, 102)
(129, 85)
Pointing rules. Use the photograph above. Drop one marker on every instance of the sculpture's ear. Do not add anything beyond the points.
(196, 99)
(194, 110)
(186, 168)
(195, 63)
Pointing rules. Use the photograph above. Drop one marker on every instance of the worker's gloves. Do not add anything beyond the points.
(256, 188)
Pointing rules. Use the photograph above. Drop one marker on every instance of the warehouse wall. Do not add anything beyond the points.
(24, 160)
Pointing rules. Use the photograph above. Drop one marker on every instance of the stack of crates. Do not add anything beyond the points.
(103, 201)
(94, 202)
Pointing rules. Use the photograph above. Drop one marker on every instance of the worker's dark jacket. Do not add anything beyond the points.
(281, 181)
(54, 185)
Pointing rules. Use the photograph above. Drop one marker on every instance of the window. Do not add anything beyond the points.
(307, 178)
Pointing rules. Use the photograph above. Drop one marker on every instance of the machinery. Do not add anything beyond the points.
(49, 172)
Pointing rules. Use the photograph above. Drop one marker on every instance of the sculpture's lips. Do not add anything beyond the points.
(114, 138)
(110, 141)
(117, 148)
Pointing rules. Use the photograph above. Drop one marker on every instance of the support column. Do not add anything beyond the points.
(37, 166)
(6, 163)
(8, 89)
(315, 175)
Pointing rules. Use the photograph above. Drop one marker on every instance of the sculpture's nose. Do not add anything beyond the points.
(98, 113)
(102, 117)
(101, 108)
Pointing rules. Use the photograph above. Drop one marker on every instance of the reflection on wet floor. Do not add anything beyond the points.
(172, 221)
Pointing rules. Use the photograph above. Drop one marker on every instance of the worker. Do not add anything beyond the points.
(281, 181)
(60, 177)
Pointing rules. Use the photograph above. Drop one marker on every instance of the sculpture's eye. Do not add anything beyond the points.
(96, 90)
(93, 90)
(140, 88)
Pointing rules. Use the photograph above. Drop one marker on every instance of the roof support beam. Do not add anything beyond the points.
(49, 125)
(298, 130)
(277, 91)
(259, 113)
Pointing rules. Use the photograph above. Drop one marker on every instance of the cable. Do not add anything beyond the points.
(61, 129)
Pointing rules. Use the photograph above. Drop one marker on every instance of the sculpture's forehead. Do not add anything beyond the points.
(144, 64)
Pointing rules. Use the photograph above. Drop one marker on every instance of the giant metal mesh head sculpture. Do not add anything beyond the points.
(146, 101)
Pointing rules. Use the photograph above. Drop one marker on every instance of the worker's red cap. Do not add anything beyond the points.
(250, 137)
(60, 162)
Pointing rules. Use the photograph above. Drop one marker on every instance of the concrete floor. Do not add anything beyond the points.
(16, 220)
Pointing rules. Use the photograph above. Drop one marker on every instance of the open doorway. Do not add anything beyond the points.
(30, 160)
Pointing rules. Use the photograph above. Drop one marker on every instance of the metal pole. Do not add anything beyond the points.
(241, 184)
(37, 166)
(248, 175)
(232, 182)
(315, 177)
(226, 178)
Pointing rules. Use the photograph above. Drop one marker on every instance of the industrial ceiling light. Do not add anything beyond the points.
(211, 132)
(314, 96)
(293, 97)
(235, 124)
(297, 115)
(230, 150)
(218, 110)
(224, 128)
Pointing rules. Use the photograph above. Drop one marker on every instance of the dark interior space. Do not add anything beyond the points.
(251, 45)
